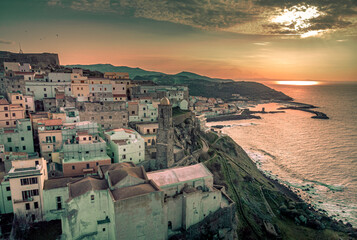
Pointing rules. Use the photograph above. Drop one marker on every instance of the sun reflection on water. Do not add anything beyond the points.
(299, 83)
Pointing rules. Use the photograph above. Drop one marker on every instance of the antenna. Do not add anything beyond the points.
(21, 52)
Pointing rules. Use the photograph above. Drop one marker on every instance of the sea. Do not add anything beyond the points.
(316, 157)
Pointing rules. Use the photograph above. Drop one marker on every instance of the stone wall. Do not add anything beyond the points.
(35, 59)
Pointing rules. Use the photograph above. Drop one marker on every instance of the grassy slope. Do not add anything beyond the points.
(258, 198)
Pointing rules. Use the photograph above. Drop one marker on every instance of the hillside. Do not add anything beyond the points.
(262, 202)
(198, 85)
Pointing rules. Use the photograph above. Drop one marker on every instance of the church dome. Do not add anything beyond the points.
(165, 101)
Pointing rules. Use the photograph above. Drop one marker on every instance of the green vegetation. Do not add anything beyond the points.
(176, 111)
(261, 200)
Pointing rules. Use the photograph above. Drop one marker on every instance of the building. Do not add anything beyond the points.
(19, 138)
(55, 193)
(83, 149)
(10, 113)
(26, 178)
(116, 75)
(128, 203)
(143, 110)
(126, 145)
(148, 132)
(49, 137)
(112, 114)
(165, 136)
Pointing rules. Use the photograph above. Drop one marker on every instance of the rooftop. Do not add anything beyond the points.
(180, 174)
(118, 174)
(85, 185)
(127, 192)
(58, 182)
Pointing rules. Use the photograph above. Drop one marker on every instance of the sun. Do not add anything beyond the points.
(297, 19)
(298, 83)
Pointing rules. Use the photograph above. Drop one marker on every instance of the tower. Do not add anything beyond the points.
(165, 136)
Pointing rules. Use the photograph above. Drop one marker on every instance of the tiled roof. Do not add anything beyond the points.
(86, 184)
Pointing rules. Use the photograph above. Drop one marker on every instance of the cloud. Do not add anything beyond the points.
(92, 5)
(246, 17)
(54, 3)
(2, 41)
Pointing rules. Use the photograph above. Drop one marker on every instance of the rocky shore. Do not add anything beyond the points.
(306, 108)
(266, 208)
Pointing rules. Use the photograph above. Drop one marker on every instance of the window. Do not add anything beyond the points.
(97, 163)
(110, 117)
(59, 203)
(88, 165)
(27, 206)
(84, 139)
(28, 181)
(124, 150)
(9, 198)
(6, 108)
(22, 139)
(45, 95)
(8, 189)
(28, 89)
(8, 139)
(124, 156)
(73, 167)
(29, 128)
(92, 198)
(101, 150)
(36, 163)
(7, 123)
(23, 147)
(53, 138)
(6, 115)
(35, 204)
(44, 89)
(10, 149)
(102, 117)
(87, 152)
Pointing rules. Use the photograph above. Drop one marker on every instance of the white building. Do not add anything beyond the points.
(126, 145)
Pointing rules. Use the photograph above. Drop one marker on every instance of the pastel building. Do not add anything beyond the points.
(143, 110)
(128, 203)
(19, 138)
(148, 132)
(83, 149)
(49, 137)
(126, 145)
(10, 113)
(26, 178)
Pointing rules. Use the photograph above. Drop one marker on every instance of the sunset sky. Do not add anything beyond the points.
(246, 39)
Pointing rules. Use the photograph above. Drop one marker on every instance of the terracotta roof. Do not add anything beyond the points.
(60, 95)
(127, 192)
(24, 73)
(180, 174)
(50, 122)
(3, 101)
(86, 184)
(119, 174)
(114, 166)
(39, 76)
(58, 182)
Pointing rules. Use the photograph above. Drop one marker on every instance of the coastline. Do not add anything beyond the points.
(283, 205)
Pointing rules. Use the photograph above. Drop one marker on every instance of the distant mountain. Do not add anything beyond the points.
(199, 85)
(133, 72)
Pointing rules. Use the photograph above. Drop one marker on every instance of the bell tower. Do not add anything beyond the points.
(165, 136)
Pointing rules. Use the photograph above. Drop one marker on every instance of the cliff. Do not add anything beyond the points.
(265, 208)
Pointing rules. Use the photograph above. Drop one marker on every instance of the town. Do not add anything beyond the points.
(99, 154)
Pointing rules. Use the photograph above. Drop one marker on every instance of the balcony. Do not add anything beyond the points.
(30, 199)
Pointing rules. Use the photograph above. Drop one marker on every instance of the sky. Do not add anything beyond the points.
(241, 39)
